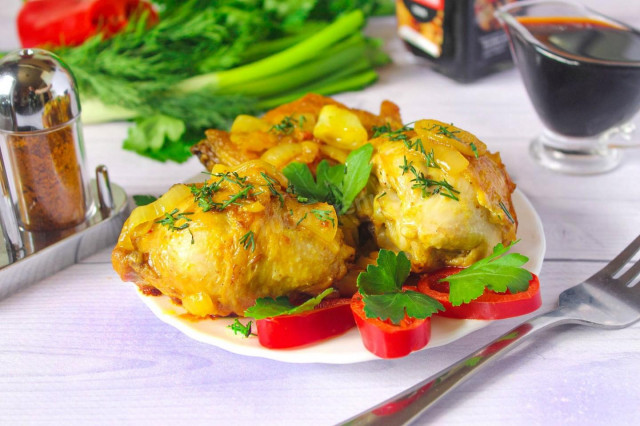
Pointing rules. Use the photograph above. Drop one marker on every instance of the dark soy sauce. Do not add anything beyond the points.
(586, 77)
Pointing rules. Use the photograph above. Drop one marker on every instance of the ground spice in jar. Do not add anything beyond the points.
(47, 172)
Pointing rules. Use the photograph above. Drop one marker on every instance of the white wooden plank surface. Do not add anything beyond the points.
(80, 348)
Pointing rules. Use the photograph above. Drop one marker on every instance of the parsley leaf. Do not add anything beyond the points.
(151, 132)
(498, 272)
(266, 307)
(337, 185)
(382, 294)
(143, 200)
(387, 276)
(393, 306)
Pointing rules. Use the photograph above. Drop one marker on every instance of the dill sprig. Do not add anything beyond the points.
(285, 127)
(270, 184)
(506, 212)
(428, 186)
(248, 240)
(170, 221)
(323, 216)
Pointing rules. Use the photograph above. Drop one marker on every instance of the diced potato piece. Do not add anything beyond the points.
(450, 135)
(249, 123)
(199, 304)
(340, 128)
(337, 154)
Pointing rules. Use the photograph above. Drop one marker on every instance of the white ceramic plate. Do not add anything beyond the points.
(347, 348)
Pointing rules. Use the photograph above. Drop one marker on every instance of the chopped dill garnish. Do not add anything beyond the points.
(301, 219)
(238, 327)
(474, 148)
(248, 240)
(507, 212)
(429, 186)
(443, 130)
(244, 193)
(285, 127)
(323, 216)
(381, 130)
(431, 160)
(270, 184)
(381, 195)
(170, 219)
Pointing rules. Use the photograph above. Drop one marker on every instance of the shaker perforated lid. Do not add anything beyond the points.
(37, 91)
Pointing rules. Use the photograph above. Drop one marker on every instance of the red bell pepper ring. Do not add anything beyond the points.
(71, 22)
(330, 318)
(489, 306)
(387, 340)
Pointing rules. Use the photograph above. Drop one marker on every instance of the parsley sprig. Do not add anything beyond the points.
(381, 289)
(266, 307)
(337, 185)
(497, 272)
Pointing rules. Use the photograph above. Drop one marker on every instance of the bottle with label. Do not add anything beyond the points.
(460, 38)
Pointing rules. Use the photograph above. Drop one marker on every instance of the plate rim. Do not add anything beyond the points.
(169, 313)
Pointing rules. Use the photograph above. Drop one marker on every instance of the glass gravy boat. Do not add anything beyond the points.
(582, 73)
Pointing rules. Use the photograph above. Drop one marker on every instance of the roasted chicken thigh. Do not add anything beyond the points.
(217, 247)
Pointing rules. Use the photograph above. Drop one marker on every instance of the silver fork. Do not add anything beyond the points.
(607, 300)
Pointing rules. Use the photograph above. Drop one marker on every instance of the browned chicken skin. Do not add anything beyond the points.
(261, 245)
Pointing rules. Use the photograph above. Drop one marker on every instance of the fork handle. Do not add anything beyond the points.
(408, 405)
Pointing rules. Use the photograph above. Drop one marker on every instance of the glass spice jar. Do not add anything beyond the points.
(41, 141)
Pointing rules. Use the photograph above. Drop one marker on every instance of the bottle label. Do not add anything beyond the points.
(420, 22)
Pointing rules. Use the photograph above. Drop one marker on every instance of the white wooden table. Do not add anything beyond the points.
(81, 348)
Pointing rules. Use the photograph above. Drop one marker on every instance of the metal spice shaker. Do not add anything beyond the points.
(41, 144)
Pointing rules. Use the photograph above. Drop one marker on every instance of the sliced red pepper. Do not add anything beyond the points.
(71, 22)
(386, 340)
(330, 318)
(489, 306)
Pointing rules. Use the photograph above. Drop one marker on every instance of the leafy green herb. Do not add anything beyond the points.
(206, 62)
(170, 221)
(239, 328)
(381, 130)
(506, 212)
(429, 186)
(248, 240)
(270, 184)
(143, 200)
(497, 272)
(431, 160)
(381, 195)
(323, 216)
(443, 130)
(266, 307)
(337, 185)
(285, 127)
(474, 148)
(243, 193)
(301, 219)
(150, 134)
(381, 289)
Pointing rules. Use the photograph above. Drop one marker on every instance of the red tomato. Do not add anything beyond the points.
(489, 306)
(71, 22)
(330, 318)
(386, 340)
